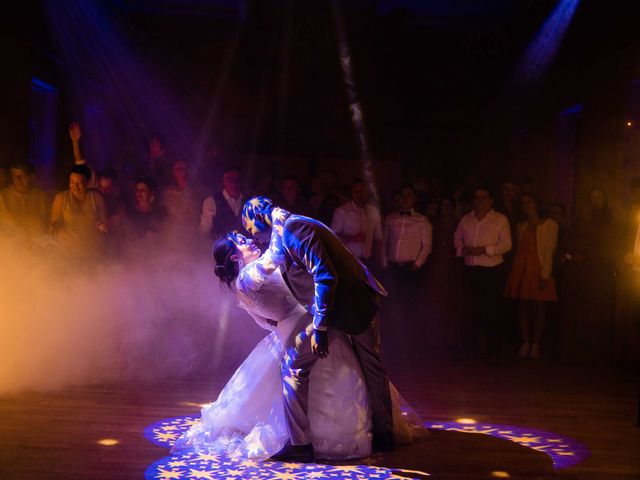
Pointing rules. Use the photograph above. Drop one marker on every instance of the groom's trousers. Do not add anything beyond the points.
(296, 367)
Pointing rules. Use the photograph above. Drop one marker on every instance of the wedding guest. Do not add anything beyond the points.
(406, 246)
(590, 273)
(180, 202)
(358, 223)
(556, 312)
(407, 235)
(27, 205)
(221, 210)
(79, 217)
(75, 134)
(110, 189)
(147, 218)
(443, 292)
(482, 237)
(291, 197)
(329, 195)
(530, 280)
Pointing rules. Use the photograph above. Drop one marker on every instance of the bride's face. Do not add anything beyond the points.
(247, 250)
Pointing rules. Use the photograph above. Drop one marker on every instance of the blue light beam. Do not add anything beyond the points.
(542, 50)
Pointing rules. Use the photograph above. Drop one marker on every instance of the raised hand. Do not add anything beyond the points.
(74, 131)
(156, 150)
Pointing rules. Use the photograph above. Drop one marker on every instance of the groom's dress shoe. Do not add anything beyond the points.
(294, 453)
(383, 442)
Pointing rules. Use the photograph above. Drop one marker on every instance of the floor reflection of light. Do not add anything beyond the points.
(404, 470)
(499, 474)
(193, 404)
(466, 421)
(108, 442)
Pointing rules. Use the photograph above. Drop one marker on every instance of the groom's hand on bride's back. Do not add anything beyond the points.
(320, 343)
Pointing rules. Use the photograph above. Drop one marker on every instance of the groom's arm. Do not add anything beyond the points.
(304, 244)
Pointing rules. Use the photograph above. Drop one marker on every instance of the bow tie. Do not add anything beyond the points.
(406, 213)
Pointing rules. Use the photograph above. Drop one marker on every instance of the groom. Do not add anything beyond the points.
(341, 294)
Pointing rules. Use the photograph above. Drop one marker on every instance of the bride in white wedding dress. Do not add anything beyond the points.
(247, 419)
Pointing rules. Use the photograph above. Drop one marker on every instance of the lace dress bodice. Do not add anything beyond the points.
(266, 297)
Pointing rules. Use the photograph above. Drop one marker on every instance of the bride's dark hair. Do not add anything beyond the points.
(226, 268)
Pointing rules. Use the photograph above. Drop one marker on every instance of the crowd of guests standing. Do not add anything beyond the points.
(481, 274)
(499, 275)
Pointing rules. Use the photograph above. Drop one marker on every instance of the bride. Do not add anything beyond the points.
(248, 420)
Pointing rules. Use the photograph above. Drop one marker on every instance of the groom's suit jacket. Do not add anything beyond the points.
(326, 277)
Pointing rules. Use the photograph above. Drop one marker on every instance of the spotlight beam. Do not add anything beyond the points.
(542, 50)
(357, 118)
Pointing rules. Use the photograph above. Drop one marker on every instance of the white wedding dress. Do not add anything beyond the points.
(247, 420)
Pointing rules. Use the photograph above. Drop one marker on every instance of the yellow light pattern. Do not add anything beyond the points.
(499, 474)
(108, 442)
(419, 472)
(466, 421)
(192, 404)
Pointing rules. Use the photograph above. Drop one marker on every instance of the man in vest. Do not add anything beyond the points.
(221, 211)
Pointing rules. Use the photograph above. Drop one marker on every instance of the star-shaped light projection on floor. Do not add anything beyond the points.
(564, 451)
(189, 464)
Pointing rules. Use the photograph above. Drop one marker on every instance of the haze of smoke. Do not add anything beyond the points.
(161, 316)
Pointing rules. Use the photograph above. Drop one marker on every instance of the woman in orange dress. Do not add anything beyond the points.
(530, 280)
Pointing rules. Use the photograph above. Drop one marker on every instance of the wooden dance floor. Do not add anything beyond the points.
(98, 431)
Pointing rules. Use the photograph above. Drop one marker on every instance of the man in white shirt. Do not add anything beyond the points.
(483, 236)
(408, 235)
(358, 223)
(407, 245)
(221, 211)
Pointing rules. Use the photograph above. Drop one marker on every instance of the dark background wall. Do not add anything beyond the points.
(256, 82)
(16, 49)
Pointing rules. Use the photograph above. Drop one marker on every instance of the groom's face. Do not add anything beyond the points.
(261, 232)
